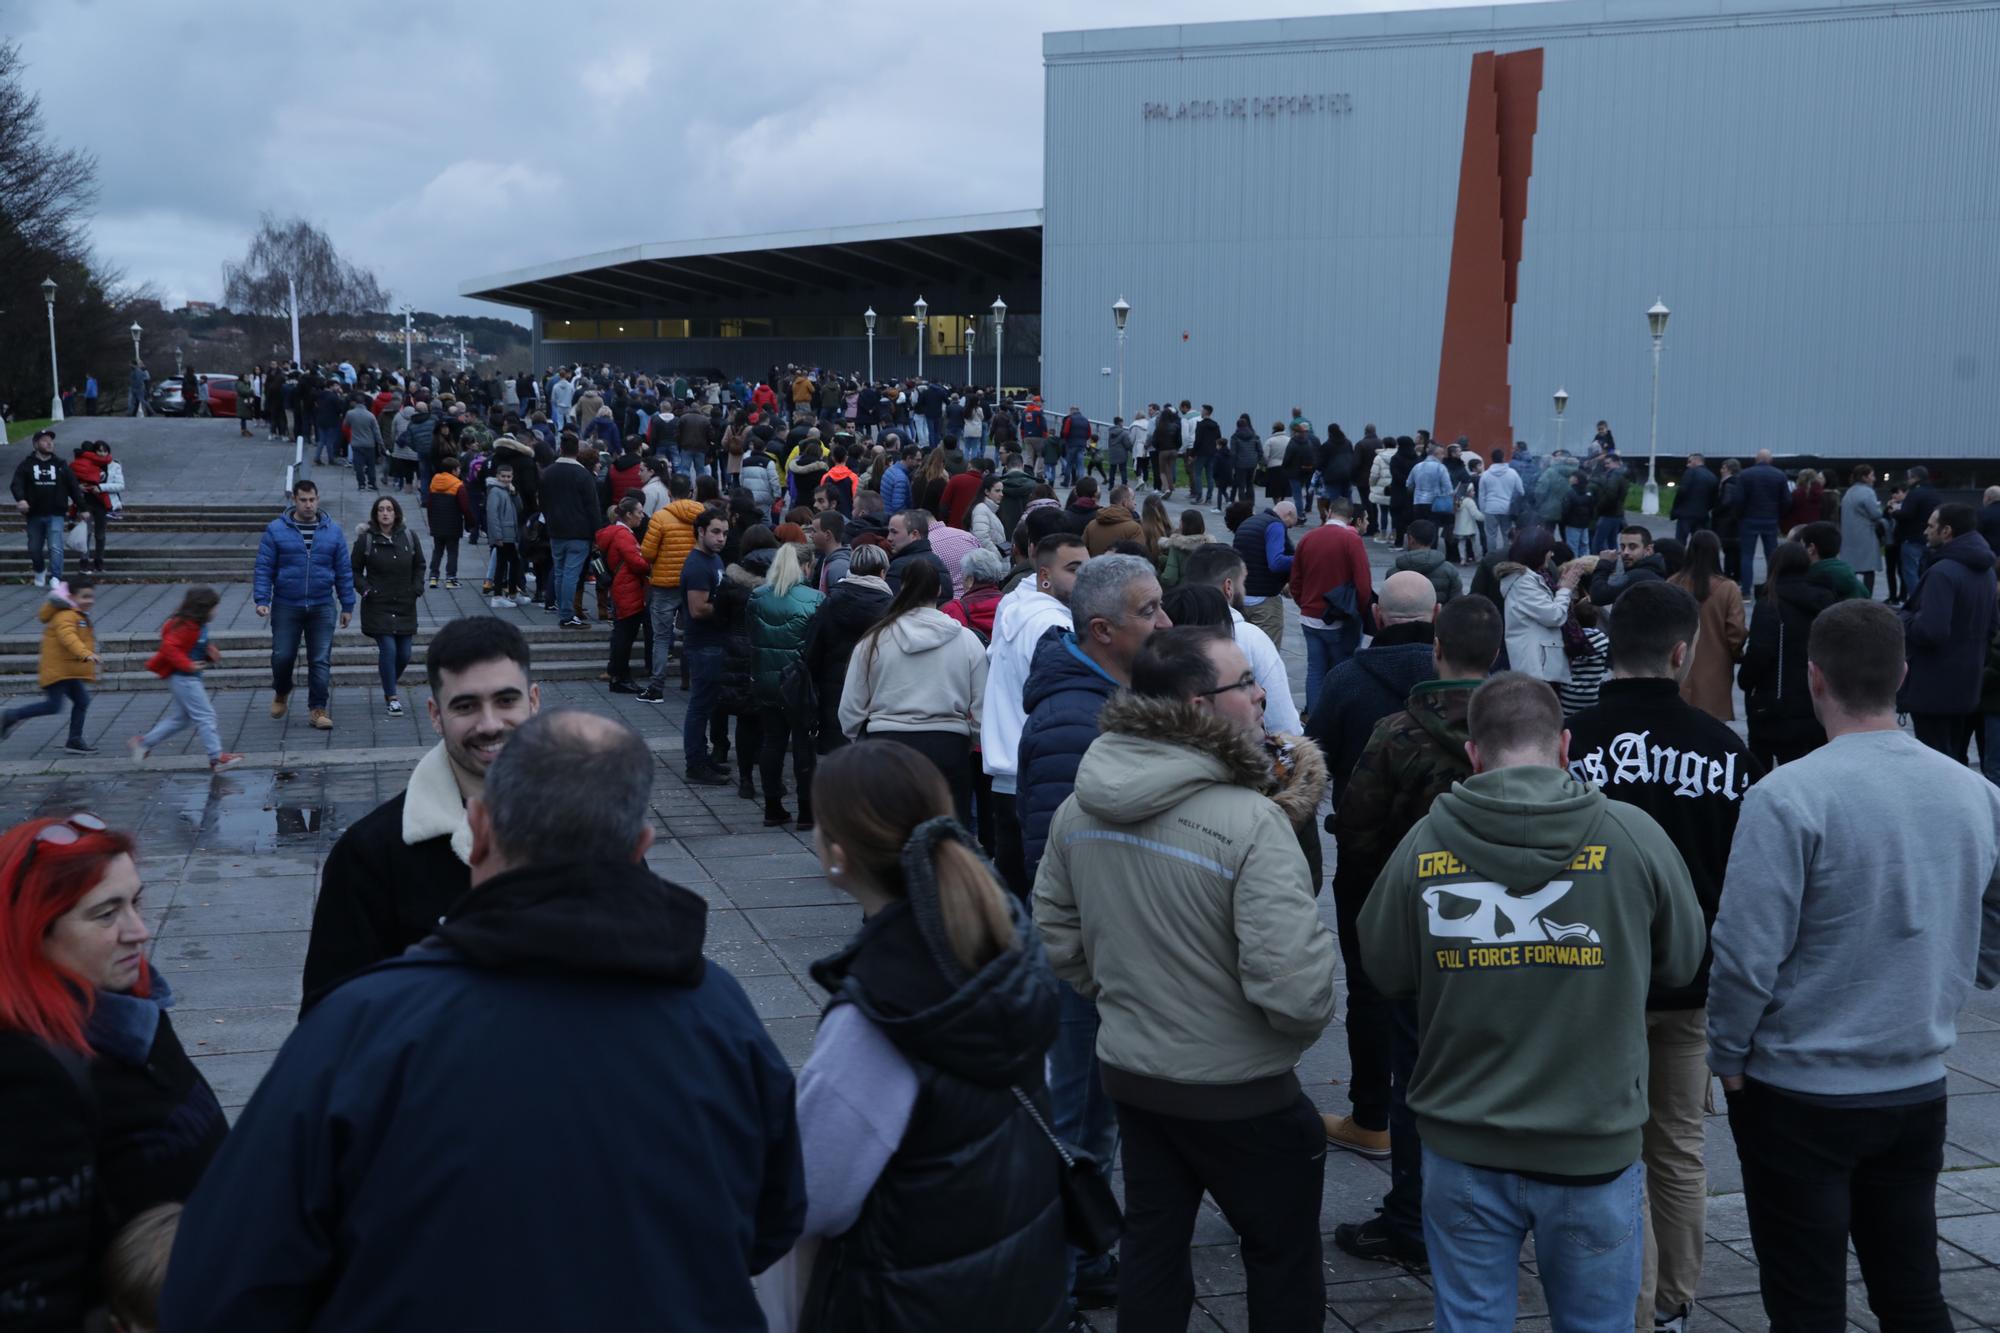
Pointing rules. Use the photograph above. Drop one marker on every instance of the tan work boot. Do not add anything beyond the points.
(278, 705)
(1342, 1132)
(323, 721)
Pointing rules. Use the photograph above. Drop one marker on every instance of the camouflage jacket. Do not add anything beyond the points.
(1411, 758)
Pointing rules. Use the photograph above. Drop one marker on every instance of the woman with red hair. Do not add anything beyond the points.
(102, 1114)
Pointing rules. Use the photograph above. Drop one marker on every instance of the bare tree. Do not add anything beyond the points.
(288, 251)
(46, 193)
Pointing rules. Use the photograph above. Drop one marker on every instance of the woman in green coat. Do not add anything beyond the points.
(778, 615)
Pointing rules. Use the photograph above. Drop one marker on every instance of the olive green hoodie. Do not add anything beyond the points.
(1529, 916)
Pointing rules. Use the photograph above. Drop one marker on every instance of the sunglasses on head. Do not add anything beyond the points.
(65, 832)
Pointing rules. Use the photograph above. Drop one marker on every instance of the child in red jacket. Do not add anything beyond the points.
(184, 653)
(629, 575)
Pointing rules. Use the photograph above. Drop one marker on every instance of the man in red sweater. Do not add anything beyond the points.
(963, 491)
(1330, 582)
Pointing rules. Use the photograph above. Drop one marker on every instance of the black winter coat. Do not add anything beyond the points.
(963, 1230)
(736, 691)
(1363, 690)
(1695, 495)
(77, 1164)
(388, 578)
(1776, 698)
(1061, 699)
(1947, 622)
(846, 614)
(569, 501)
(377, 896)
(911, 554)
(375, 1159)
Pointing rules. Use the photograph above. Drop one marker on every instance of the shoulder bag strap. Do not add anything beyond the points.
(1047, 1133)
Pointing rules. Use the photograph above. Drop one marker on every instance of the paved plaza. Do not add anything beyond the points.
(231, 865)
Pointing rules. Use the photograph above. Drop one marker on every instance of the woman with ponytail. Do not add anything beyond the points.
(102, 1114)
(934, 1197)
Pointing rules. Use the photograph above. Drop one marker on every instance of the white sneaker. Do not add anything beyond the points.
(41, 580)
(499, 602)
(523, 602)
(137, 745)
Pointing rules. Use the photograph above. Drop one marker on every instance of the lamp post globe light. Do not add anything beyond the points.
(971, 336)
(999, 339)
(923, 310)
(868, 318)
(1121, 310)
(55, 381)
(1562, 401)
(408, 334)
(1656, 319)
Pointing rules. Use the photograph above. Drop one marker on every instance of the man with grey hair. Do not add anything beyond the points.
(382, 1095)
(1115, 607)
(1265, 543)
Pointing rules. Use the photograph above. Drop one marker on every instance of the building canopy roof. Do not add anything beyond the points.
(980, 250)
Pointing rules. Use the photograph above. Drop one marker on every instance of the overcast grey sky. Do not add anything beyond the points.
(457, 138)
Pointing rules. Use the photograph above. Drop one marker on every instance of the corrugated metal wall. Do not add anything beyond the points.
(1813, 193)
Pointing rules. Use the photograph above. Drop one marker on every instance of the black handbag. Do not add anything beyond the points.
(799, 694)
(1092, 1220)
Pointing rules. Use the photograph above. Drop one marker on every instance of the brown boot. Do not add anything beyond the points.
(278, 705)
(321, 720)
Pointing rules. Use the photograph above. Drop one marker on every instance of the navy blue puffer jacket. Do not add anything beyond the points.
(1065, 690)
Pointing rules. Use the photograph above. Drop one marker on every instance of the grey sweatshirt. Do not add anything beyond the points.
(1862, 901)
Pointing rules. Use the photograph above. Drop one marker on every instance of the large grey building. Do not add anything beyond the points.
(1811, 186)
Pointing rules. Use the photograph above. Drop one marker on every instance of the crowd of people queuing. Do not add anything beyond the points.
(1049, 748)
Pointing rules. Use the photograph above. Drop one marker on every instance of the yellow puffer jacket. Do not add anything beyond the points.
(669, 540)
(68, 644)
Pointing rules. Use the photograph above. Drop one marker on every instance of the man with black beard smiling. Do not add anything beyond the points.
(397, 870)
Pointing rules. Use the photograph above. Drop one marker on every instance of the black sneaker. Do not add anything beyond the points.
(708, 778)
(747, 789)
(80, 747)
(649, 695)
(623, 687)
(1097, 1291)
(1373, 1240)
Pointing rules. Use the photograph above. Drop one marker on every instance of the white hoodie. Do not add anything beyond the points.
(1025, 615)
(926, 672)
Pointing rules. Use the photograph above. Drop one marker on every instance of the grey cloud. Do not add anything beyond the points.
(467, 138)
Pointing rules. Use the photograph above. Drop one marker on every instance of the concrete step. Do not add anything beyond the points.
(239, 572)
(541, 633)
(347, 651)
(259, 675)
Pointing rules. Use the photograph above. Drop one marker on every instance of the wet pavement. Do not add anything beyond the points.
(231, 865)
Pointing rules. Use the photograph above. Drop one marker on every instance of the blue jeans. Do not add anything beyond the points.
(1607, 534)
(1201, 473)
(1299, 495)
(392, 658)
(45, 544)
(315, 623)
(1578, 539)
(1083, 1113)
(1911, 554)
(51, 703)
(1073, 462)
(1746, 545)
(1327, 648)
(663, 605)
(704, 676)
(363, 456)
(187, 706)
(570, 555)
(1589, 1244)
(328, 445)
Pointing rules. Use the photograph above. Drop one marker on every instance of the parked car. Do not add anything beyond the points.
(165, 399)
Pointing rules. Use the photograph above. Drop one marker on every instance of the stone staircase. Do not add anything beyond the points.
(559, 654)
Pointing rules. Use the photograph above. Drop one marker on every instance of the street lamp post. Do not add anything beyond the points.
(999, 339)
(868, 318)
(136, 331)
(55, 381)
(971, 336)
(1650, 501)
(408, 334)
(1562, 401)
(923, 317)
(1120, 312)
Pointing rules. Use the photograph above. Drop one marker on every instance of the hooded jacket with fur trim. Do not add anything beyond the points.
(1173, 892)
